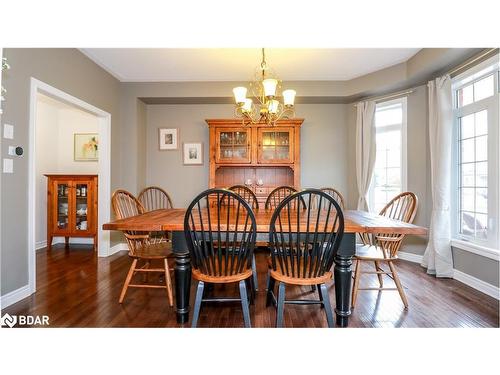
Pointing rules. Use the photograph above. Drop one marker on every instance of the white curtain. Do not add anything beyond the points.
(365, 150)
(438, 257)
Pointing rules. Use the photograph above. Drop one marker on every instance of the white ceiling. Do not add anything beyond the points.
(239, 64)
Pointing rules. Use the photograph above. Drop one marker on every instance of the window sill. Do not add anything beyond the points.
(484, 251)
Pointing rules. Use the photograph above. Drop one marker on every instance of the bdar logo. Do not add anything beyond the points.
(8, 320)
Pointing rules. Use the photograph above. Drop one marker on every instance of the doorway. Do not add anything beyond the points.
(57, 105)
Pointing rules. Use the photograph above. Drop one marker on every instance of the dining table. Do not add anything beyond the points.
(172, 220)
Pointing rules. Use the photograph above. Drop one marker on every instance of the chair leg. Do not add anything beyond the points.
(355, 287)
(270, 289)
(380, 276)
(168, 282)
(281, 305)
(398, 284)
(244, 304)
(251, 295)
(127, 280)
(254, 275)
(327, 305)
(145, 276)
(197, 304)
(320, 292)
(313, 288)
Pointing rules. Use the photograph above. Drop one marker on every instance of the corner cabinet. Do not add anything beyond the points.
(71, 207)
(258, 156)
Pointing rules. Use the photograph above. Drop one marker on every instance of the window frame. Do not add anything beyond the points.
(404, 153)
(491, 246)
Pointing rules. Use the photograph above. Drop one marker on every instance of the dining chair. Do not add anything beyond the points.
(155, 198)
(276, 196)
(336, 195)
(303, 245)
(142, 247)
(221, 240)
(383, 247)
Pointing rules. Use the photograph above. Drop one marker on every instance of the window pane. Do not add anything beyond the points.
(467, 199)
(481, 226)
(482, 174)
(379, 177)
(481, 123)
(484, 88)
(394, 157)
(482, 201)
(465, 95)
(467, 150)
(394, 177)
(389, 115)
(380, 159)
(467, 223)
(467, 175)
(482, 148)
(467, 126)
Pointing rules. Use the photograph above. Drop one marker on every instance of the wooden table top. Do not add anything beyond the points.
(173, 220)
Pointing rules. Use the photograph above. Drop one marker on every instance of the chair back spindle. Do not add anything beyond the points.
(246, 193)
(305, 240)
(278, 195)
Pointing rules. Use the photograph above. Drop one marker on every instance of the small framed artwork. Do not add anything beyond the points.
(86, 147)
(168, 138)
(193, 153)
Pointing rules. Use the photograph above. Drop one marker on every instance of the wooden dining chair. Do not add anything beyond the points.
(142, 247)
(221, 241)
(276, 196)
(303, 245)
(336, 195)
(155, 198)
(383, 248)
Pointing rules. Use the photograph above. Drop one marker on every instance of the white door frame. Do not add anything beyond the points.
(104, 188)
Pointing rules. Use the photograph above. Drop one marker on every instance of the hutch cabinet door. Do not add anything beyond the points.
(83, 215)
(275, 145)
(233, 145)
(62, 203)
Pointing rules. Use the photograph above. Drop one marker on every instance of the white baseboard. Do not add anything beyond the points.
(15, 296)
(410, 257)
(118, 247)
(73, 240)
(474, 282)
(463, 277)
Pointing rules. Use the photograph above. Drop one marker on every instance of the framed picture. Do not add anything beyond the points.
(168, 139)
(193, 153)
(86, 147)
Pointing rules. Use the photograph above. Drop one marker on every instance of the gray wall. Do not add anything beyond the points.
(70, 71)
(323, 146)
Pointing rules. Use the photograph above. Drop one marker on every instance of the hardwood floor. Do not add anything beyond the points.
(77, 289)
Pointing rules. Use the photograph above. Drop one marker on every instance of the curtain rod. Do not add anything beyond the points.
(389, 96)
(489, 51)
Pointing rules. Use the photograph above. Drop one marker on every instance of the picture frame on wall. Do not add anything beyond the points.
(86, 147)
(168, 139)
(192, 153)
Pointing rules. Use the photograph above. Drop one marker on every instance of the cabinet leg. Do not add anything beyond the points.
(49, 242)
(66, 242)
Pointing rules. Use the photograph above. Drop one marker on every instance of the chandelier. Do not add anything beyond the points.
(265, 106)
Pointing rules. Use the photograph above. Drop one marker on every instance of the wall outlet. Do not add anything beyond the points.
(8, 131)
(8, 166)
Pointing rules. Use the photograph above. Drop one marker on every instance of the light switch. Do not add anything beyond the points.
(8, 166)
(8, 131)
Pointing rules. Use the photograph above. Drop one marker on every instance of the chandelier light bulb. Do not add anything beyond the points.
(273, 106)
(270, 85)
(240, 94)
(289, 98)
(247, 106)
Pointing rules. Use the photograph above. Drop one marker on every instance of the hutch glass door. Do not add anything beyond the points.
(276, 145)
(233, 145)
(63, 189)
(82, 200)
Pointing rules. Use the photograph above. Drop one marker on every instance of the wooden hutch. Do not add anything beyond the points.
(71, 207)
(259, 156)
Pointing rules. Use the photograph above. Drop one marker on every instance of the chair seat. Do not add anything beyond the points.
(371, 252)
(158, 250)
(198, 275)
(280, 275)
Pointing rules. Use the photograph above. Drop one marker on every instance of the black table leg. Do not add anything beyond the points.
(182, 273)
(343, 278)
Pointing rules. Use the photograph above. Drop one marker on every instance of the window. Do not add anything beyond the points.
(389, 175)
(475, 158)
